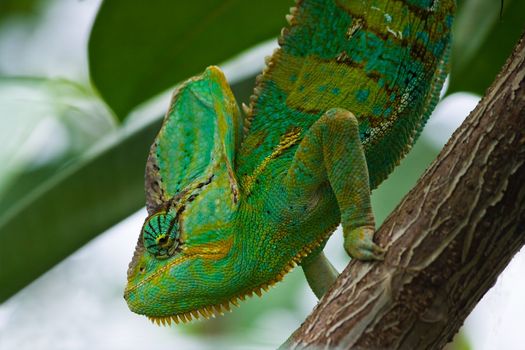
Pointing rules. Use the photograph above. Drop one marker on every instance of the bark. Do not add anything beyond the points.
(447, 241)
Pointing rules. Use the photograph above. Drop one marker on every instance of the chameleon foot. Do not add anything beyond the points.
(359, 244)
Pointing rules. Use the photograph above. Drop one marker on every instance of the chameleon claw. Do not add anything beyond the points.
(359, 244)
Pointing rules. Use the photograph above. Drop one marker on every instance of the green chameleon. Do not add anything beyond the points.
(236, 202)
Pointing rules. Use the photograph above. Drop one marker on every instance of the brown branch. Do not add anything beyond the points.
(447, 241)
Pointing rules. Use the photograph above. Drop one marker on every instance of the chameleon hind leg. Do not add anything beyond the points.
(320, 273)
(332, 151)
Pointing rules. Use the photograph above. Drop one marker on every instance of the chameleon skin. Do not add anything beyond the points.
(337, 107)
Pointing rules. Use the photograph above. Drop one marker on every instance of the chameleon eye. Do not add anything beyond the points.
(161, 235)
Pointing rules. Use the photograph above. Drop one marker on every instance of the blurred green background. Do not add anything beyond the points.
(83, 88)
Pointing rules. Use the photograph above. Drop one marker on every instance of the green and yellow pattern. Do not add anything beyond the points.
(235, 202)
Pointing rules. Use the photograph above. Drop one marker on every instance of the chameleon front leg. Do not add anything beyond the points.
(332, 151)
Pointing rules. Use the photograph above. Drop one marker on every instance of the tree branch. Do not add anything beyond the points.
(447, 241)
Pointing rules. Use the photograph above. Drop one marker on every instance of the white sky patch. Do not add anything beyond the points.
(498, 321)
(249, 62)
(448, 116)
(59, 35)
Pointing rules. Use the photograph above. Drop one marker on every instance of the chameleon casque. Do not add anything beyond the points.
(236, 202)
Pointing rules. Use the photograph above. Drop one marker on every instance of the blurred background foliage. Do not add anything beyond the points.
(17, 7)
(74, 144)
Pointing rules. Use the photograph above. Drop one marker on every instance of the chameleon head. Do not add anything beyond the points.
(184, 257)
(175, 270)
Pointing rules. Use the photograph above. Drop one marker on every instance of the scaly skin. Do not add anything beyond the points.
(233, 209)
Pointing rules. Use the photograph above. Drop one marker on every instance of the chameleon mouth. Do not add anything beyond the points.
(212, 311)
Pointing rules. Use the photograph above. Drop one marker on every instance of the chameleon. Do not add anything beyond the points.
(236, 200)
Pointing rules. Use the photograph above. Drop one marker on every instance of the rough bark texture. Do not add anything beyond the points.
(447, 241)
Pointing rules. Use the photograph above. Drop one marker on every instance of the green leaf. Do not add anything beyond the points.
(483, 41)
(140, 48)
(50, 221)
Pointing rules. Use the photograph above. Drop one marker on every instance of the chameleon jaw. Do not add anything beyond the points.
(215, 310)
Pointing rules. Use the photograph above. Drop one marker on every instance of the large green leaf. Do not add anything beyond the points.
(482, 41)
(139, 48)
(50, 221)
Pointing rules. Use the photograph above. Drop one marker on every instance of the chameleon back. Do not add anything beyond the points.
(383, 60)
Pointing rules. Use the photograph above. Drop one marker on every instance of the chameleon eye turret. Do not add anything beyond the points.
(161, 235)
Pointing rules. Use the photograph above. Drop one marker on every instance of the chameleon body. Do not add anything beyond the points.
(236, 202)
